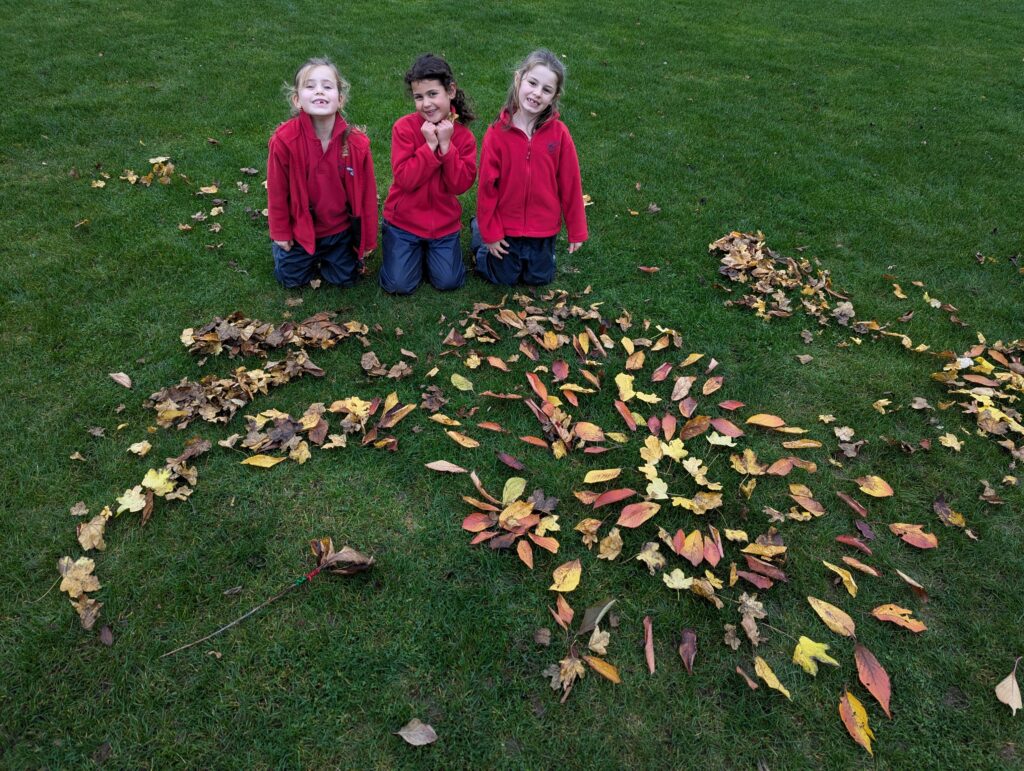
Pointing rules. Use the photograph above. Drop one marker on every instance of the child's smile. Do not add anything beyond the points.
(432, 100)
(318, 92)
(536, 91)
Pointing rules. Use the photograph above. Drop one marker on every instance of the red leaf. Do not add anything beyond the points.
(873, 676)
(759, 566)
(481, 537)
(654, 424)
(915, 535)
(649, 644)
(560, 370)
(510, 461)
(668, 427)
(731, 404)
(476, 522)
(613, 496)
(761, 582)
(688, 649)
(661, 372)
(853, 504)
(855, 542)
(687, 406)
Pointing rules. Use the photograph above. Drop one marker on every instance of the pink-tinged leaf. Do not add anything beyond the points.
(560, 370)
(649, 643)
(488, 425)
(864, 529)
(564, 613)
(731, 404)
(894, 614)
(503, 541)
(761, 582)
(545, 542)
(613, 496)
(781, 467)
(713, 551)
(654, 424)
(481, 489)
(511, 461)
(635, 514)
(687, 406)
(121, 379)
(497, 363)
(750, 683)
(668, 427)
(476, 522)
(648, 268)
(570, 397)
(481, 537)
(679, 542)
(595, 449)
(417, 733)
(855, 542)
(661, 372)
(919, 591)
(627, 416)
(873, 676)
(853, 504)
(726, 427)
(688, 649)
(915, 535)
(525, 552)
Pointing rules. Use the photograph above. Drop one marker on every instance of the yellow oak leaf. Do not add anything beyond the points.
(808, 653)
(77, 576)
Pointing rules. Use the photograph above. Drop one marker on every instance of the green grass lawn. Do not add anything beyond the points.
(882, 140)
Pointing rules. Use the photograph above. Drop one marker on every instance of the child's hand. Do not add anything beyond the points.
(498, 249)
(430, 134)
(286, 245)
(444, 129)
(574, 246)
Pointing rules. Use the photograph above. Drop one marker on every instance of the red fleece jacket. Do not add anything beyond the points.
(422, 198)
(528, 184)
(291, 166)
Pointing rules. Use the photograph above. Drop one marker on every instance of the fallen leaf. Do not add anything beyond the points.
(542, 636)
(852, 713)
(766, 421)
(677, 580)
(1008, 690)
(765, 673)
(950, 440)
(835, 618)
(808, 653)
(461, 382)
(417, 733)
(598, 641)
(649, 644)
(262, 461)
(610, 546)
(462, 440)
(914, 535)
(121, 379)
(603, 668)
(873, 676)
(566, 577)
(874, 486)
(845, 575)
(443, 465)
(635, 514)
(900, 616)
(688, 649)
(601, 475)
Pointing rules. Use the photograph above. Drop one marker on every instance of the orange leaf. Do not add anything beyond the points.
(873, 676)
(544, 542)
(635, 514)
(476, 522)
(626, 414)
(525, 552)
(497, 363)
(588, 432)
(603, 668)
(852, 713)
(536, 441)
(915, 535)
(727, 427)
(853, 503)
(537, 385)
(693, 548)
(661, 372)
(899, 616)
(835, 618)
(765, 421)
(489, 426)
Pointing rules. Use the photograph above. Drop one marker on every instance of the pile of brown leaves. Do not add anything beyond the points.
(777, 282)
(238, 335)
(216, 400)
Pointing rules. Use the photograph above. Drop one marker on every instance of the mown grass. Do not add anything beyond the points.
(882, 141)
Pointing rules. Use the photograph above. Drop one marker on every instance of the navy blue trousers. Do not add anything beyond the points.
(404, 255)
(334, 259)
(529, 260)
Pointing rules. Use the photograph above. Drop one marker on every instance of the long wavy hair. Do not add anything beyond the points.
(433, 67)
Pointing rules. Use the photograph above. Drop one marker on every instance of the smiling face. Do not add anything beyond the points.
(317, 91)
(536, 90)
(433, 101)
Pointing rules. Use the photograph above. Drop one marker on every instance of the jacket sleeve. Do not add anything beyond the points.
(487, 216)
(277, 192)
(570, 191)
(367, 204)
(458, 165)
(412, 162)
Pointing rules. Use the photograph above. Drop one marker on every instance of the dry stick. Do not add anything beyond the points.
(295, 585)
(49, 590)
